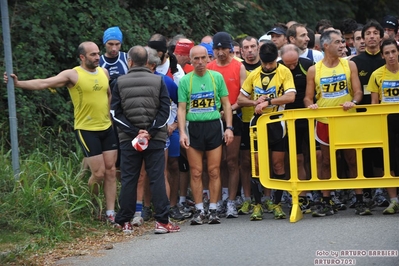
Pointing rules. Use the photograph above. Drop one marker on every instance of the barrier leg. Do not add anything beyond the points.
(296, 212)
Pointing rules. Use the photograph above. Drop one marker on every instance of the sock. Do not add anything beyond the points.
(247, 199)
(359, 197)
(212, 206)
(309, 196)
(200, 206)
(242, 193)
(277, 196)
(182, 199)
(139, 208)
(332, 193)
(326, 199)
(110, 212)
(395, 200)
(225, 193)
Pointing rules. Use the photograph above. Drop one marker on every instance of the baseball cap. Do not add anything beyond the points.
(113, 33)
(222, 39)
(276, 30)
(183, 47)
(390, 22)
(265, 37)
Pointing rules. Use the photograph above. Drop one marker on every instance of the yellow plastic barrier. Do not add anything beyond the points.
(365, 127)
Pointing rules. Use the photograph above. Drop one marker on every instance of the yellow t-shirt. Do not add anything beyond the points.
(90, 100)
(386, 84)
(273, 85)
(333, 85)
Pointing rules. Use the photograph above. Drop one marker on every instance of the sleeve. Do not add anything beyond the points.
(373, 84)
(246, 87)
(172, 88)
(118, 116)
(289, 84)
(162, 116)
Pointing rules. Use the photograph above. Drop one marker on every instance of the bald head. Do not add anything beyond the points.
(290, 55)
(199, 59)
(138, 55)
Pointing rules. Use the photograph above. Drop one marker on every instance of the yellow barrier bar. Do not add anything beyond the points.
(364, 127)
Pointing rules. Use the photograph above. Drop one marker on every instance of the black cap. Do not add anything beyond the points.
(390, 22)
(222, 39)
(276, 30)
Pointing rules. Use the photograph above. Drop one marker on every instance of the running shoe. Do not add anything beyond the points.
(231, 210)
(137, 221)
(127, 228)
(323, 209)
(198, 218)
(161, 228)
(213, 217)
(239, 202)
(304, 204)
(246, 208)
(362, 209)
(269, 205)
(110, 219)
(278, 212)
(257, 213)
(392, 208)
(380, 200)
(184, 210)
(221, 209)
(339, 206)
(175, 214)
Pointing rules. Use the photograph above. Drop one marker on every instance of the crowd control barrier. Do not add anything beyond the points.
(364, 126)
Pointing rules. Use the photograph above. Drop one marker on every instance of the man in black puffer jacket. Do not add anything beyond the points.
(140, 108)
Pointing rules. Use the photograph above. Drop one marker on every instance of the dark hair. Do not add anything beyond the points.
(325, 23)
(268, 52)
(389, 41)
(348, 26)
(139, 56)
(312, 38)
(373, 23)
(249, 38)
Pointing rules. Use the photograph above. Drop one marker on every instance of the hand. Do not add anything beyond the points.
(313, 106)
(228, 136)
(5, 78)
(184, 141)
(173, 63)
(172, 128)
(348, 105)
(261, 99)
(144, 134)
(259, 108)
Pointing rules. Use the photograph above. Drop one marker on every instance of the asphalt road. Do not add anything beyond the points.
(346, 237)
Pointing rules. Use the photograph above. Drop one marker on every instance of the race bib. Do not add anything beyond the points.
(334, 87)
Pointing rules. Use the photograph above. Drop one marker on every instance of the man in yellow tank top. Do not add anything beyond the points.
(89, 91)
(336, 83)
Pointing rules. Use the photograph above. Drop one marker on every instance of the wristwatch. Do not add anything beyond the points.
(355, 102)
(231, 128)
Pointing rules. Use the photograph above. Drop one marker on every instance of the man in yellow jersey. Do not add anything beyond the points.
(90, 94)
(268, 88)
(336, 83)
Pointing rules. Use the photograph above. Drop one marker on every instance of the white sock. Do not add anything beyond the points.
(395, 200)
(182, 199)
(200, 206)
(137, 214)
(212, 206)
(110, 212)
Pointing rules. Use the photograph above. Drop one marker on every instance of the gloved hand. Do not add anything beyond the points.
(173, 63)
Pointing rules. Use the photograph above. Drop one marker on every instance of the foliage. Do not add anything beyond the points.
(50, 203)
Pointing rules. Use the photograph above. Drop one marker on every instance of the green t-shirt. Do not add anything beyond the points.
(202, 95)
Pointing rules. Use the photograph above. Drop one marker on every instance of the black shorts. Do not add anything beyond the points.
(245, 141)
(95, 142)
(205, 135)
(301, 134)
(281, 145)
(237, 124)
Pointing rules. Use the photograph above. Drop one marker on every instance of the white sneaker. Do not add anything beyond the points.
(231, 210)
(137, 221)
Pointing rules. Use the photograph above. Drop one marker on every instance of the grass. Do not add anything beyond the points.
(49, 204)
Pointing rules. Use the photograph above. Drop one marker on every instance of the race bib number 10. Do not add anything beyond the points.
(390, 91)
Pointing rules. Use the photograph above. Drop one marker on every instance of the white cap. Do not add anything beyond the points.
(265, 37)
